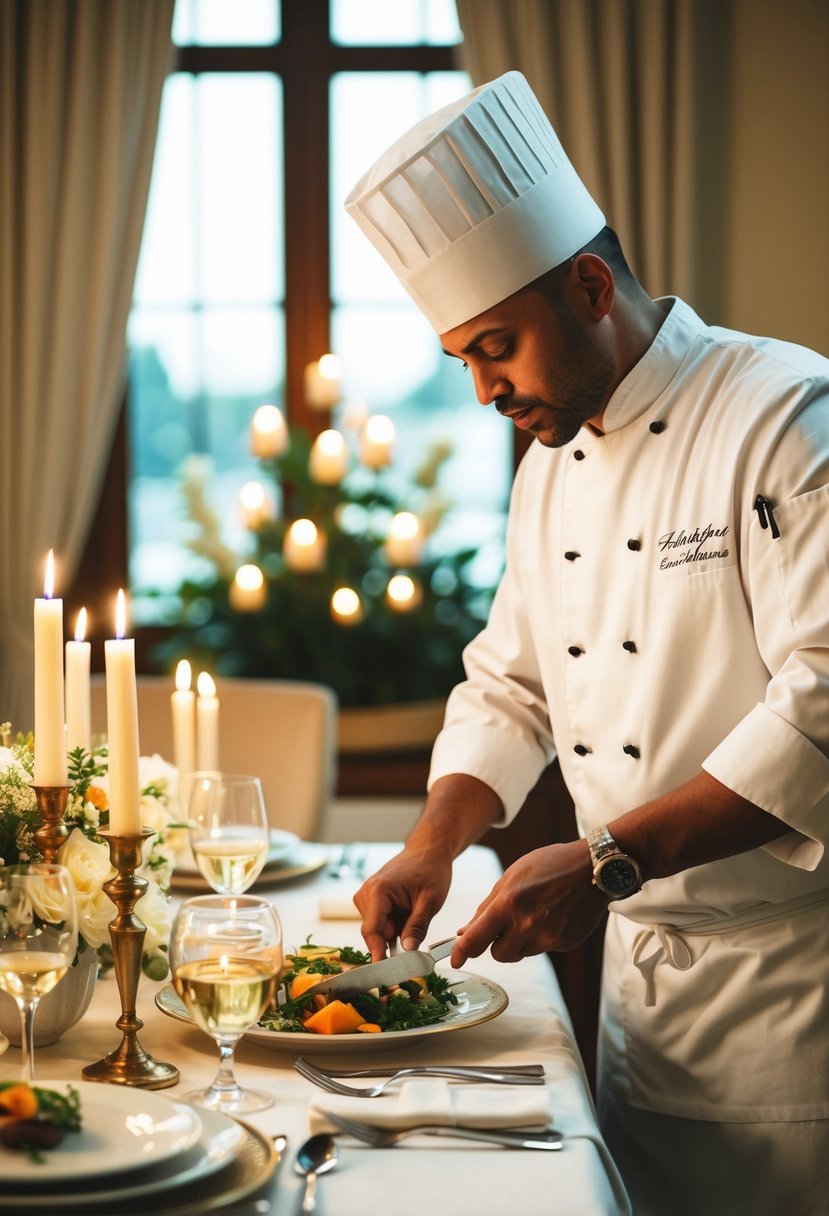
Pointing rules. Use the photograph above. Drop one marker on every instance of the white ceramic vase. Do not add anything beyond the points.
(59, 1009)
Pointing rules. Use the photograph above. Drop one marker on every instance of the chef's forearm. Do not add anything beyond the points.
(458, 811)
(697, 822)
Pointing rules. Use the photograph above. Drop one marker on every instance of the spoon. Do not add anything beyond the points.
(317, 1155)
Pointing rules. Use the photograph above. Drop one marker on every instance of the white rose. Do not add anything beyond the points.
(51, 901)
(87, 861)
(95, 912)
(154, 910)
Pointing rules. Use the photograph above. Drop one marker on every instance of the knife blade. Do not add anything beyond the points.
(388, 971)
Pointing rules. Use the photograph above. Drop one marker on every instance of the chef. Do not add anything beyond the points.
(662, 627)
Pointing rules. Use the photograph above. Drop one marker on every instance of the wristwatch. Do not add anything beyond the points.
(614, 872)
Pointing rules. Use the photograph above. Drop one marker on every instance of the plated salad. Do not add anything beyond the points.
(414, 1003)
(33, 1119)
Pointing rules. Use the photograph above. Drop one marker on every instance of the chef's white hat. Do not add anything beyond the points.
(475, 202)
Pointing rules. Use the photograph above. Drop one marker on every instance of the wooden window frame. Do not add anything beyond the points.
(305, 59)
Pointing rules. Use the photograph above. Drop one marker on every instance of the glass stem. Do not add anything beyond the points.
(27, 1038)
(224, 1079)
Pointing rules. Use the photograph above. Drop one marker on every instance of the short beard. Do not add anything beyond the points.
(583, 379)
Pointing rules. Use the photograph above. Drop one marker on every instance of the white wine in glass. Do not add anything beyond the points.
(225, 956)
(229, 832)
(38, 940)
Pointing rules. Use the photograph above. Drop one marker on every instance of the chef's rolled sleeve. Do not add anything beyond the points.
(503, 760)
(770, 763)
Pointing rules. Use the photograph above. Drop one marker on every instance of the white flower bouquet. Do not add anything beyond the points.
(85, 853)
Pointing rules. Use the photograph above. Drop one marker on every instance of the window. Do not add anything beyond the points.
(250, 270)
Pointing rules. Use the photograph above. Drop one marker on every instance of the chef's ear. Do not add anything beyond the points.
(592, 282)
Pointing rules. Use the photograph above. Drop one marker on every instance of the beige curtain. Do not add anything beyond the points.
(80, 90)
(636, 92)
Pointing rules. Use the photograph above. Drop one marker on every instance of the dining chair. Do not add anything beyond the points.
(282, 731)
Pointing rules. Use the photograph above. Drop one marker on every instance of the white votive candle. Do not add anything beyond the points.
(404, 543)
(304, 548)
(403, 593)
(50, 733)
(122, 728)
(346, 606)
(183, 709)
(207, 724)
(323, 382)
(78, 704)
(377, 441)
(328, 463)
(247, 592)
(268, 433)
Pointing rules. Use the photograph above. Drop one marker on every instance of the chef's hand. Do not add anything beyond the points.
(402, 897)
(544, 901)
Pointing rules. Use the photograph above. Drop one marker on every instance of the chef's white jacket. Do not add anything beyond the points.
(665, 607)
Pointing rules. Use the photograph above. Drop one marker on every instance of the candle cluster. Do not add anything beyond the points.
(342, 575)
(305, 544)
(62, 719)
(195, 727)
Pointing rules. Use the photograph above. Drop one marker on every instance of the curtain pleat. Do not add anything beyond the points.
(628, 87)
(80, 92)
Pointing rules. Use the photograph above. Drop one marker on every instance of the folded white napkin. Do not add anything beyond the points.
(338, 903)
(434, 1100)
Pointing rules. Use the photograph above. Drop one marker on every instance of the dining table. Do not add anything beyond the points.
(313, 899)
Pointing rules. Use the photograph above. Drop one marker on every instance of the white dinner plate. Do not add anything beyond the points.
(479, 1000)
(298, 862)
(123, 1128)
(245, 1157)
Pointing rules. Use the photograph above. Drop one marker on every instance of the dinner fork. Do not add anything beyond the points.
(333, 1086)
(384, 1137)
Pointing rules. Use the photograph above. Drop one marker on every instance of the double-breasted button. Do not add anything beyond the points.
(657, 427)
(634, 544)
(632, 751)
(575, 651)
(581, 750)
(629, 646)
(571, 555)
(578, 454)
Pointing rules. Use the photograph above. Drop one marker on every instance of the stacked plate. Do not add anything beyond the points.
(288, 858)
(134, 1144)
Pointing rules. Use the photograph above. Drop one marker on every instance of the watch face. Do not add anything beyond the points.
(618, 876)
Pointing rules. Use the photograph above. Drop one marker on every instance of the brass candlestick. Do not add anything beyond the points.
(51, 802)
(129, 1064)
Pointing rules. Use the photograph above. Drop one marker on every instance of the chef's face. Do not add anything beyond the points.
(544, 365)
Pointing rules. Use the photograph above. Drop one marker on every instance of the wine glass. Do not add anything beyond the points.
(38, 940)
(225, 956)
(229, 832)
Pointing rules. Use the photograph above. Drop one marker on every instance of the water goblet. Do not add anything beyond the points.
(225, 956)
(38, 940)
(229, 832)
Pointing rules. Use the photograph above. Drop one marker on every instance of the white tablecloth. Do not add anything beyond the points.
(464, 1179)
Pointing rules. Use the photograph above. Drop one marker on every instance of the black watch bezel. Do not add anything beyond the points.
(618, 876)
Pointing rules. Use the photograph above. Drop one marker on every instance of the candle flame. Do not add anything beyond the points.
(331, 443)
(401, 588)
(268, 420)
(80, 626)
(346, 606)
(206, 685)
(304, 532)
(249, 577)
(330, 367)
(404, 526)
(380, 429)
(120, 614)
(184, 676)
(49, 577)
